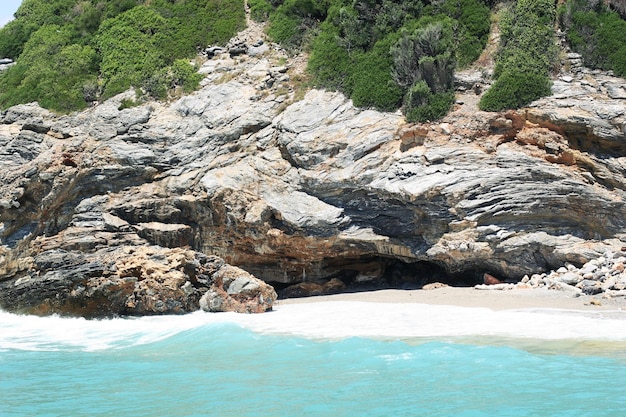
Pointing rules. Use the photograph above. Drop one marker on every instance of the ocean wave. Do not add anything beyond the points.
(332, 320)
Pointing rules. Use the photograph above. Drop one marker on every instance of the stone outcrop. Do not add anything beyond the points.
(130, 280)
(307, 191)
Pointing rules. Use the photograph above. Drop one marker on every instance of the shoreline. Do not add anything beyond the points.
(497, 300)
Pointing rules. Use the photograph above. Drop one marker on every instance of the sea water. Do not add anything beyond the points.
(318, 359)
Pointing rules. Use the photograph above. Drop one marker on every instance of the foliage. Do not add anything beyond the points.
(423, 63)
(57, 83)
(596, 33)
(330, 63)
(525, 57)
(514, 89)
(371, 80)
(128, 103)
(129, 48)
(422, 105)
(260, 10)
(473, 28)
(293, 21)
(425, 55)
(72, 52)
(376, 51)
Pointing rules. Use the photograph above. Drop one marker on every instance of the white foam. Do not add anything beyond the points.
(53, 333)
(323, 320)
(363, 319)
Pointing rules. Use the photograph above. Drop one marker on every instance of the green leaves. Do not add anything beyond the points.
(377, 52)
(597, 34)
(526, 55)
(51, 70)
(72, 52)
(129, 48)
(513, 89)
(424, 64)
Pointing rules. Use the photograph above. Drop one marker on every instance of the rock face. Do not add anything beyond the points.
(132, 280)
(130, 206)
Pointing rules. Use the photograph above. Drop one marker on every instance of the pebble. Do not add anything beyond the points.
(605, 276)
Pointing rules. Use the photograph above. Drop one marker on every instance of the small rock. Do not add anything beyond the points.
(434, 286)
(616, 92)
(570, 278)
(490, 280)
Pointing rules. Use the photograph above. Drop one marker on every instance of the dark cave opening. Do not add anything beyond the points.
(375, 273)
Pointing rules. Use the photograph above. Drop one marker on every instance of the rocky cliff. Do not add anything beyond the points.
(131, 211)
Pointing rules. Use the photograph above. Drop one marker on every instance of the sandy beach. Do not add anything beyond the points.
(496, 300)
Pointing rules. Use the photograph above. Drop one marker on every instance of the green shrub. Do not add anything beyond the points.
(423, 44)
(293, 22)
(330, 64)
(184, 75)
(129, 46)
(284, 29)
(473, 27)
(128, 103)
(260, 10)
(72, 52)
(526, 54)
(425, 55)
(436, 106)
(371, 81)
(515, 89)
(55, 83)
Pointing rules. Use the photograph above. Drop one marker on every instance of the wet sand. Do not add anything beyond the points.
(470, 297)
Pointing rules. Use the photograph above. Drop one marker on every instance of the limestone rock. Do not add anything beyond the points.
(303, 192)
(130, 280)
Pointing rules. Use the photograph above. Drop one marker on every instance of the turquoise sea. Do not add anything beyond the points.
(319, 359)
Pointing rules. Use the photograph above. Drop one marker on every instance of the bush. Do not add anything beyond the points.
(425, 55)
(260, 10)
(293, 22)
(129, 49)
(371, 81)
(55, 83)
(422, 105)
(526, 54)
(421, 43)
(474, 23)
(330, 64)
(599, 38)
(72, 52)
(515, 89)
(284, 29)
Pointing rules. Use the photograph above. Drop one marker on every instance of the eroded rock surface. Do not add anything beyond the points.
(313, 192)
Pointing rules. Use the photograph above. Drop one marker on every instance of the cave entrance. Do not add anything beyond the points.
(340, 275)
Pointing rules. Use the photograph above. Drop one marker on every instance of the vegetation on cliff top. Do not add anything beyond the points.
(72, 52)
(383, 54)
(526, 55)
(597, 32)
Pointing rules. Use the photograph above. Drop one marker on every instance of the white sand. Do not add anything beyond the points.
(469, 297)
